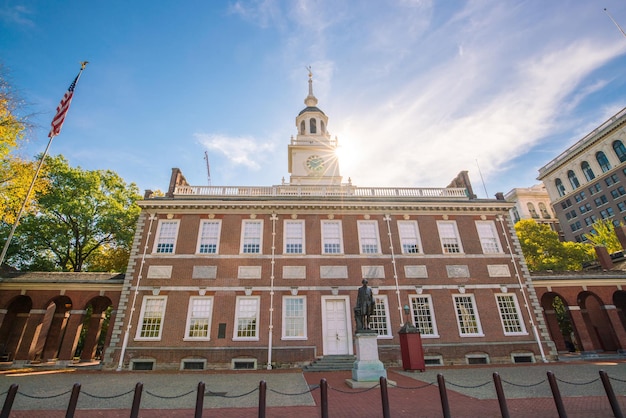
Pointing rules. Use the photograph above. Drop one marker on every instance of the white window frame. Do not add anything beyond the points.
(142, 317)
(431, 315)
(366, 239)
(517, 313)
(488, 241)
(289, 238)
(326, 236)
(238, 316)
(161, 239)
(303, 318)
(475, 317)
(192, 315)
(245, 239)
(381, 300)
(456, 237)
(411, 239)
(207, 239)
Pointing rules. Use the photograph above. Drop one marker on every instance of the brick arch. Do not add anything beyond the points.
(13, 326)
(52, 329)
(619, 300)
(596, 320)
(90, 344)
(565, 341)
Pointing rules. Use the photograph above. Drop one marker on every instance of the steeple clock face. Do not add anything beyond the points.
(315, 164)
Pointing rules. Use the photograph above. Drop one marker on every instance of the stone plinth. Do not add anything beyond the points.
(367, 369)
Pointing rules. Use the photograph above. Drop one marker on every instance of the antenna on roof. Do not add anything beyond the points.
(618, 26)
(208, 167)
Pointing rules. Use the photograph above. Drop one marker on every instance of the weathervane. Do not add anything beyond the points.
(310, 71)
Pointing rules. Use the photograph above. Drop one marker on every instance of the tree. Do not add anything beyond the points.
(603, 235)
(543, 250)
(83, 215)
(16, 174)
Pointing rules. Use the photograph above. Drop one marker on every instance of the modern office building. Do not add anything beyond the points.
(587, 181)
(267, 277)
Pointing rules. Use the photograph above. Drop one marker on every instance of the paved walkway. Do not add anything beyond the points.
(292, 393)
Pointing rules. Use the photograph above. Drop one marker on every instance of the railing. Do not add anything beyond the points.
(588, 138)
(345, 191)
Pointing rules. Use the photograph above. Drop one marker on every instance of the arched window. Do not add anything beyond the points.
(544, 211)
(559, 187)
(322, 127)
(573, 180)
(531, 209)
(302, 128)
(620, 150)
(313, 126)
(516, 217)
(587, 171)
(603, 161)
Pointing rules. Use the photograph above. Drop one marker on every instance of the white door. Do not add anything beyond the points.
(336, 335)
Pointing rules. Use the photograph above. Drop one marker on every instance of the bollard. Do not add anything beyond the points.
(445, 406)
(324, 397)
(504, 410)
(617, 412)
(71, 406)
(262, 394)
(556, 394)
(200, 400)
(384, 396)
(134, 411)
(8, 401)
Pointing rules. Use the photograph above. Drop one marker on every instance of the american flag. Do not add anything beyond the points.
(59, 118)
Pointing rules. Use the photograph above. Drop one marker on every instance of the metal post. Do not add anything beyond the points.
(617, 412)
(556, 394)
(384, 396)
(134, 411)
(71, 407)
(200, 400)
(504, 410)
(262, 398)
(8, 401)
(445, 406)
(324, 397)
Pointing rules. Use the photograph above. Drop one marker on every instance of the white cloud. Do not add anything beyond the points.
(243, 151)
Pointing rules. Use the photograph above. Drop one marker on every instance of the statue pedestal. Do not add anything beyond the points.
(367, 369)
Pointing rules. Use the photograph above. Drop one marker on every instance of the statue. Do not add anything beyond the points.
(364, 308)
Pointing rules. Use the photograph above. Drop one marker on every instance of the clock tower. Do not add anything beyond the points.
(312, 159)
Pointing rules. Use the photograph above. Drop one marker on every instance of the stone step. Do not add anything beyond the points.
(331, 363)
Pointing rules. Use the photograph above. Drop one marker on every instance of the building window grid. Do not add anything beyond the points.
(467, 318)
(587, 171)
(199, 322)
(368, 237)
(152, 313)
(422, 314)
(167, 236)
(379, 322)
(294, 317)
(332, 237)
(246, 321)
(509, 315)
(604, 163)
(409, 237)
(209, 237)
(488, 237)
(294, 237)
(449, 236)
(252, 234)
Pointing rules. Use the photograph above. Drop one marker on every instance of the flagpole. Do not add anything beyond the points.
(32, 183)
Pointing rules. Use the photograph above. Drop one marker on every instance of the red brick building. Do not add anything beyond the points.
(264, 277)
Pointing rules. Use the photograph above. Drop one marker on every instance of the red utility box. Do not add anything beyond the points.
(411, 348)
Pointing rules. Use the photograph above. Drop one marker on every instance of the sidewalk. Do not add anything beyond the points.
(291, 393)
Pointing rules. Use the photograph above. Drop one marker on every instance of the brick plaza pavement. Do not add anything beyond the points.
(415, 394)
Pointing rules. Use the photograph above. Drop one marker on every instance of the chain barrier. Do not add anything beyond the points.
(353, 392)
(310, 390)
(44, 397)
(107, 397)
(617, 380)
(169, 397)
(412, 387)
(467, 387)
(577, 383)
(222, 395)
(521, 385)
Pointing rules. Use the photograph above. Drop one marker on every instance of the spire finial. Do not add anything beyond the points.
(310, 100)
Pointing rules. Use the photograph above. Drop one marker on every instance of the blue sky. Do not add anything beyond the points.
(415, 90)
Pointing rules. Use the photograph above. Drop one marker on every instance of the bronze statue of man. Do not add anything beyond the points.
(364, 308)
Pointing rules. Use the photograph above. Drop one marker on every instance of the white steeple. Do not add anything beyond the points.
(312, 158)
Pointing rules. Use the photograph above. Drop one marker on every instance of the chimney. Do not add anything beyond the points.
(604, 258)
(499, 196)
